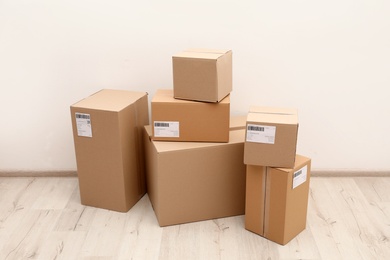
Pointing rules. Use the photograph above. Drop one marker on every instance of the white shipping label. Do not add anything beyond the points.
(300, 177)
(166, 129)
(83, 123)
(260, 134)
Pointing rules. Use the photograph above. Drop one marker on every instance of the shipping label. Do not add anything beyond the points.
(166, 129)
(299, 177)
(260, 134)
(83, 123)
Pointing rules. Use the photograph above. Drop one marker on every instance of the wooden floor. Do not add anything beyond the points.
(42, 218)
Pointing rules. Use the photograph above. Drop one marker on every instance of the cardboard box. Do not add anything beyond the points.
(107, 131)
(276, 200)
(271, 137)
(202, 74)
(184, 120)
(237, 122)
(194, 181)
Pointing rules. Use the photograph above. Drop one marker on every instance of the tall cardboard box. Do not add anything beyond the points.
(184, 120)
(194, 181)
(202, 74)
(271, 137)
(276, 200)
(107, 131)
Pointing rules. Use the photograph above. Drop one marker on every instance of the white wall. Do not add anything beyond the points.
(330, 59)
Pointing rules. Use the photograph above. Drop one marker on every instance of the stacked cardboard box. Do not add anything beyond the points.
(185, 120)
(271, 137)
(198, 107)
(193, 181)
(202, 74)
(199, 162)
(202, 176)
(277, 179)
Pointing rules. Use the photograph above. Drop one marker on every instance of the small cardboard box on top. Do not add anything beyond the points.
(191, 121)
(271, 137)
(107, 133)
(276, 200)
(194, 181)
(202, 74)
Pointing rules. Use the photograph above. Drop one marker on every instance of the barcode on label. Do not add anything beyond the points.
(300, 177)
(297, 173)
(83, 116)
(166, 129)
(83, 123)
(160, 124)
(255, 128)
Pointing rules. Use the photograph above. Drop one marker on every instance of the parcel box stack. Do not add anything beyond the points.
(277, 183)
(194, 161)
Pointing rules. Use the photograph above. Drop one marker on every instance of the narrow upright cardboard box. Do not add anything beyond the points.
(202, 74)
(276, 200)
(194, 181)
(271, 137)
(107, 131)
(191, 121)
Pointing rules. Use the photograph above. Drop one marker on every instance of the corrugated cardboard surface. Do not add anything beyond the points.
(110, 164)
(254, 199)
(284, 208)
(237, 122)
(193, 181)
(282, 152)
(198, 121)
(202, 74)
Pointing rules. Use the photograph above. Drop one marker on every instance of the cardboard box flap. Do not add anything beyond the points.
(300, 161)
(198, 55)
(273, 110)
(110, 100)
(273, 115)
(166, 95)
(212, 54)
(218, 51)
(235, 136)
(237, 122)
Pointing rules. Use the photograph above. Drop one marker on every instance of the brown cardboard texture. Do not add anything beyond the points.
(202, 74)
(184, 120)
(271, 137)
(276, 200)
(107, 132)
(237, 122)
(195, 181)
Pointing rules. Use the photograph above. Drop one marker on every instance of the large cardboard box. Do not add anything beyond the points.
(271, 136)
(237, 122)
(202, 74)
(184, 120)
(276, 200)
(107, 131)
(194, 181)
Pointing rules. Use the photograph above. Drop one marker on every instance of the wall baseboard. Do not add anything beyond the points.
(314, 173)
(38, 173)
(350, 173)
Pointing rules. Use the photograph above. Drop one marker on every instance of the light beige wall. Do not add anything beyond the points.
(329, 59)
